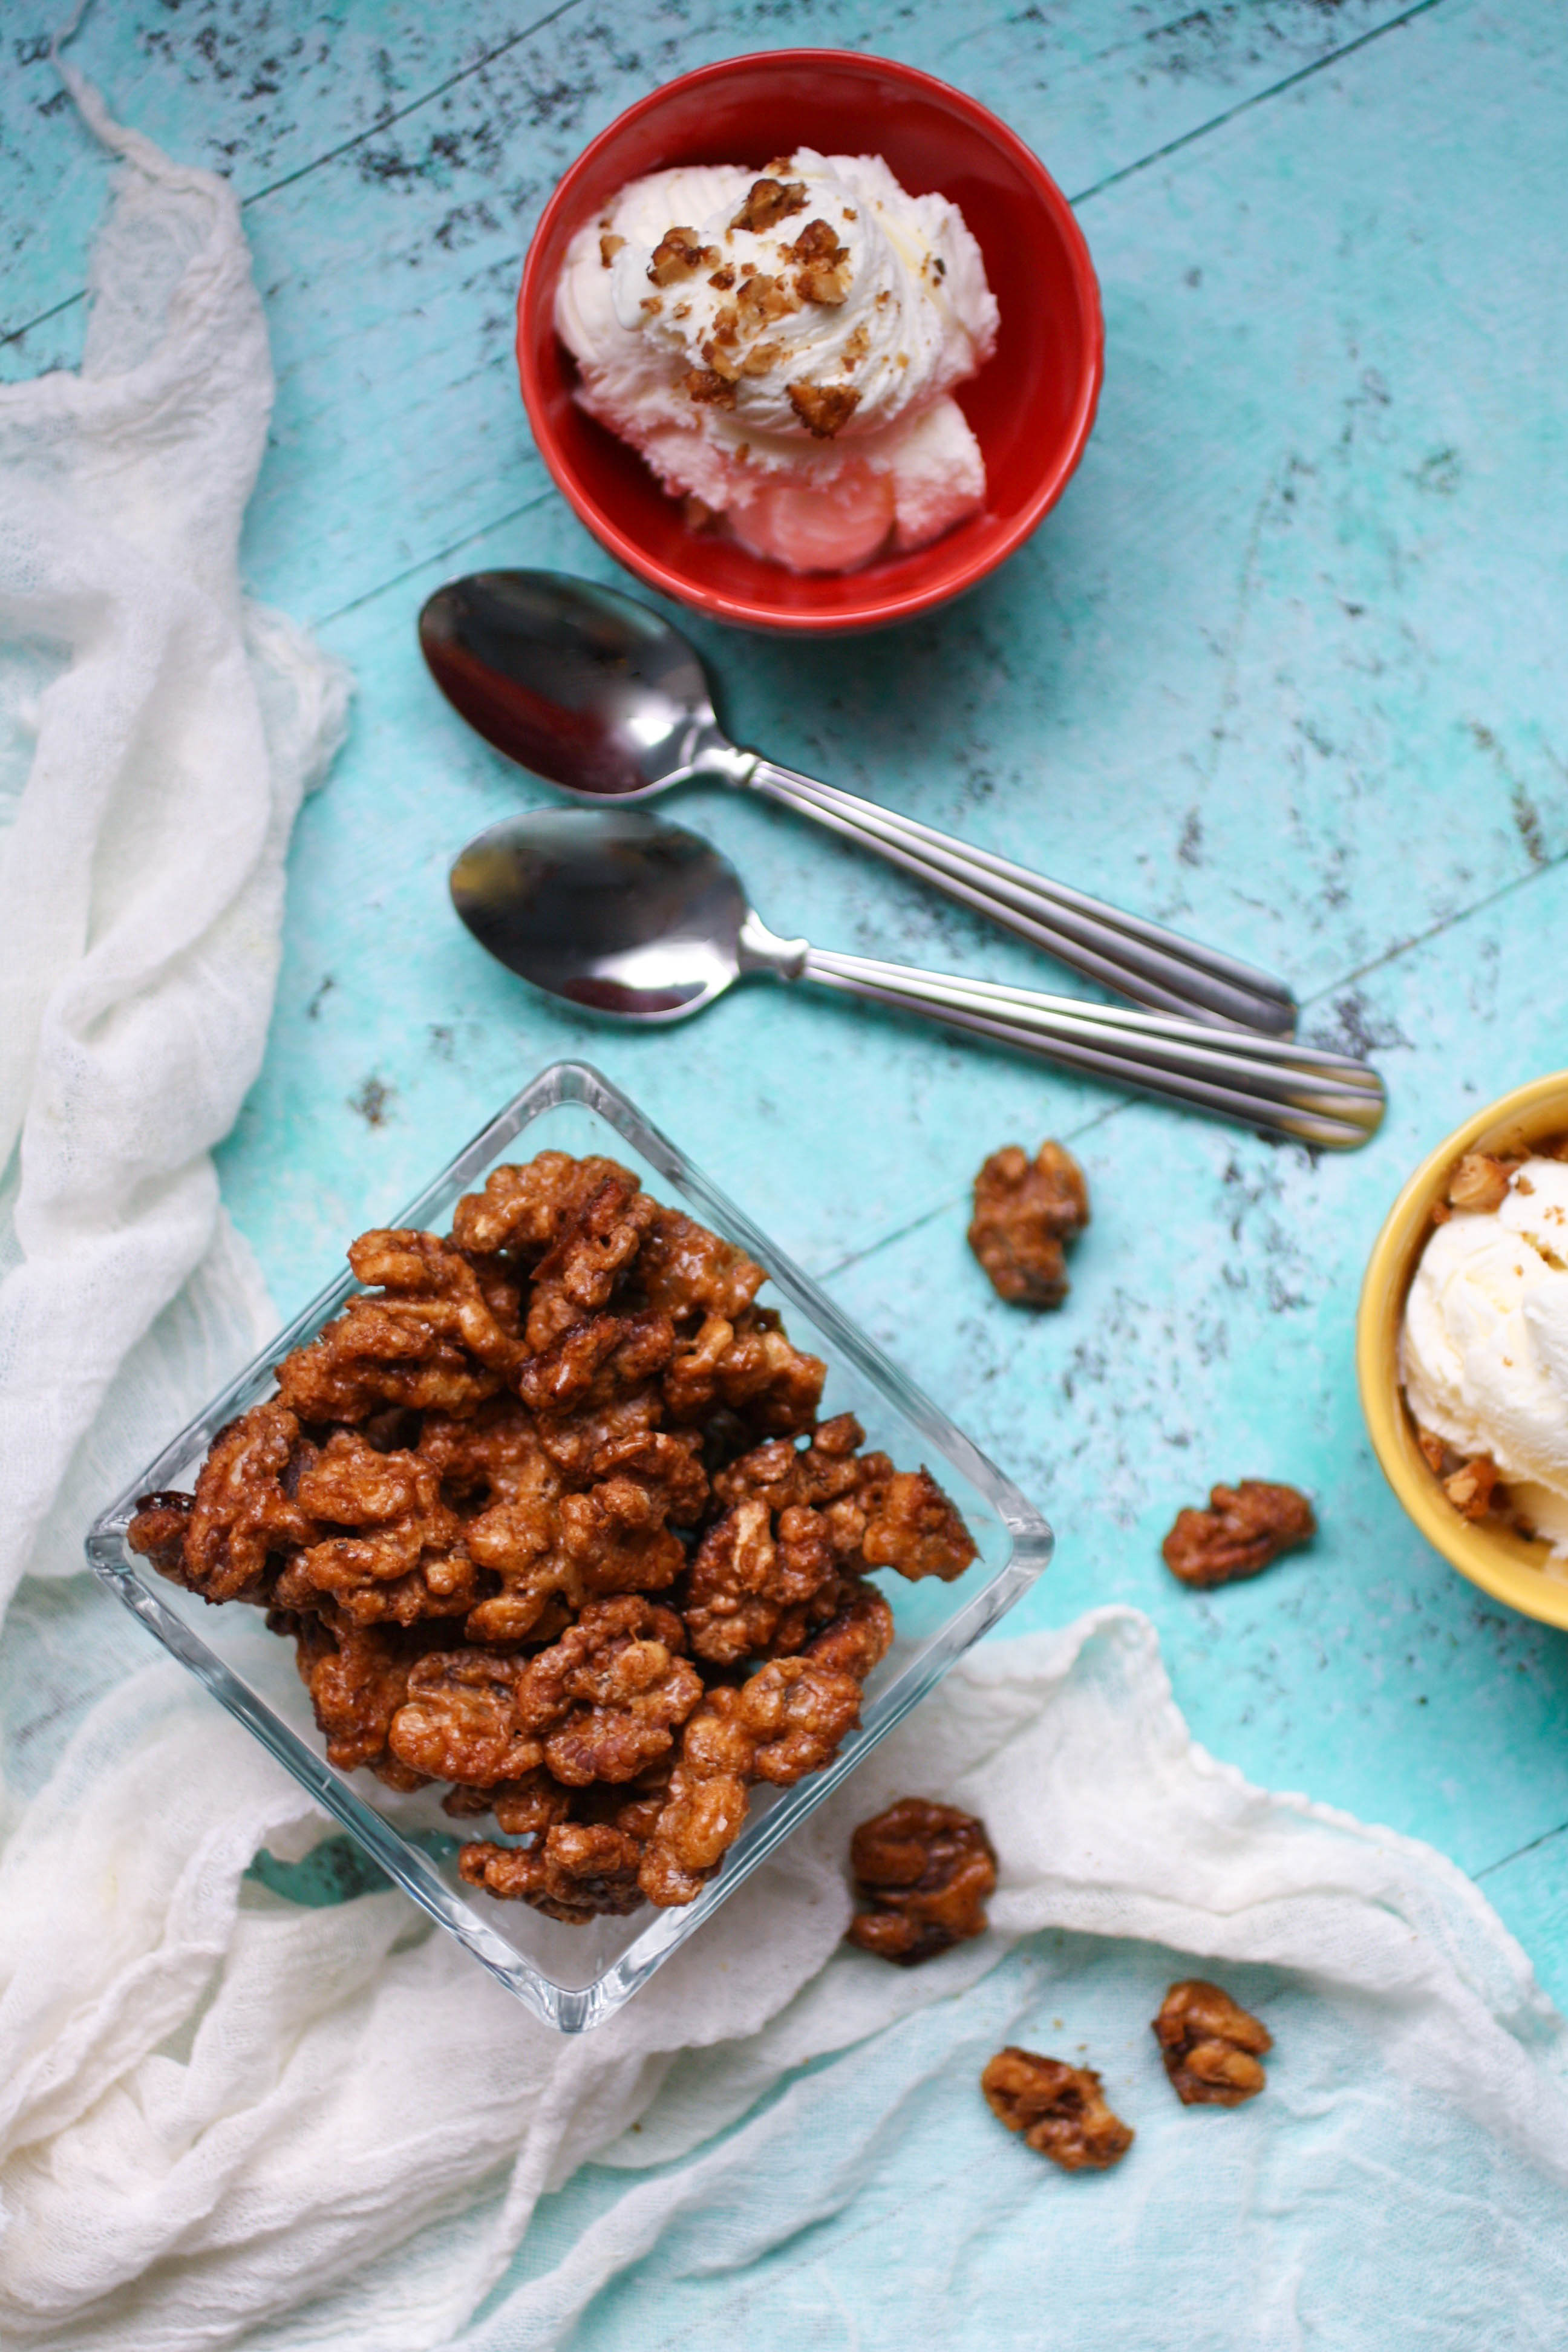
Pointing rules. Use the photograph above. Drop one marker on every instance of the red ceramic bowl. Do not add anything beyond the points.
(1031, 406)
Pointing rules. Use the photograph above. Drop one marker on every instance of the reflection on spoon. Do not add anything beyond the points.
(626, 915)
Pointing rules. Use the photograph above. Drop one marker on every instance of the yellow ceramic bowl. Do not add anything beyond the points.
(1507, 1566)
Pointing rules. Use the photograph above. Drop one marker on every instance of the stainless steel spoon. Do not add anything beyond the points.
(605, 700)
(629, 916)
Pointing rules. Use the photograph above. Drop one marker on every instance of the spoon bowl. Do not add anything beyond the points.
(617, 913)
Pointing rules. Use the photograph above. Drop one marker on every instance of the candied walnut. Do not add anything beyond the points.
(520, 1808)
(1023, 1214)
(707, 388)
(1480, 1182)
(588, 1257)
(1210, 2046)
(608, 1697)
(787, 1721)
(748, 1573)
(667, 1462)
(688, 1273)
(525, 1207)
(158, 1529)
(823, 272)
(1243, 1529)
(596, 1360)
(387, 1544)
(459, 1720)
(911, 1525)
(749, 1365)
(358, 1678)
(380, 1352)
(825, 409)
(578, 1443)
(614, 1541)
(925, 1870)
(769, 202)
(409, 1266)
(859, 1635)
(244, 1514)
(678, 255)
(1059, 2109)
(578, 1872)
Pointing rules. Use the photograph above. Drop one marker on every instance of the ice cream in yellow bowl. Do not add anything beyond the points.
(1462, 1349)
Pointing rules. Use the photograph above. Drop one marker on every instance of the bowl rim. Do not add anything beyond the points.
(875, 611)
(1501, 1563)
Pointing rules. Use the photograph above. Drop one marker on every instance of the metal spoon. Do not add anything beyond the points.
(605, 700)
(629, 916)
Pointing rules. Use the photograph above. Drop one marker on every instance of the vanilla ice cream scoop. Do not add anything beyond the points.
(1483, 1352)
(783, 349)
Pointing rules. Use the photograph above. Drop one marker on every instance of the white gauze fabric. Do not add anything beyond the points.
(224, 2120)
(155, 737)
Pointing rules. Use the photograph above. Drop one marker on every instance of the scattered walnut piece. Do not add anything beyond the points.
(708, 389)
(1210, 2046)
(1059, 2109)
(769, 202)
(1480, 1182)
(1471, 1486)
(1024, 1216)
(1244, 1528)
(925, 1870)
(825, 409)
(823, 274)
(609, 245)
(678, 255)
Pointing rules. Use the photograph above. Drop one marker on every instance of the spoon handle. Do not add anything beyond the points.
(1138, 958)
(1302, 1091)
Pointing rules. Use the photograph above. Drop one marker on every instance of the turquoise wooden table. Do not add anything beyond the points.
(1284, 668)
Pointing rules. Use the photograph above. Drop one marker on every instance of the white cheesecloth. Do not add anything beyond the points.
(228, 2120)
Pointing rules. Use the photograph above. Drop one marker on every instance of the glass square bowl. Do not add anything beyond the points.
(575, 1977)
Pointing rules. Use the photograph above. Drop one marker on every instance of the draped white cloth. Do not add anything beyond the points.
(156, 733)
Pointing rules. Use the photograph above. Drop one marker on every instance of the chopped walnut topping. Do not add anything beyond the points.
(762, 300)
(609, 245)
(856, 347)
(1059, 2109)
(825, 409)
(708, 389)
(678, 255)
(1480, 1182)
(823, 275)
(1244, 1528)
(1471, 1488)
(925, 1870)
(723, 278)
(1024, 1214)
(1210, 2046)
(770, 202)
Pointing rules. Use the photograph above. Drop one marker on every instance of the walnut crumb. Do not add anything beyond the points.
(769, 202)
(609, 246)
(723, 278)
(1480, 1182)
(825, 409)
(708, 389)
(677, 254)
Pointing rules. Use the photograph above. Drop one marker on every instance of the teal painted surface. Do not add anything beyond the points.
(1284, 667)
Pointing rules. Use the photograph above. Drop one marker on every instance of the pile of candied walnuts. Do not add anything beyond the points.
(549, 1516)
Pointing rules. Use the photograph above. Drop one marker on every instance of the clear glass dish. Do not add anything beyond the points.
(575, 1977)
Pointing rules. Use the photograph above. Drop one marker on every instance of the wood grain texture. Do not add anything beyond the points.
(1285, 668)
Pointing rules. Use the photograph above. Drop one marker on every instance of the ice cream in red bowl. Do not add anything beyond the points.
(1028, 404)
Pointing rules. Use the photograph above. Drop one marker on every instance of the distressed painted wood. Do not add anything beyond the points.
(1284, 667)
